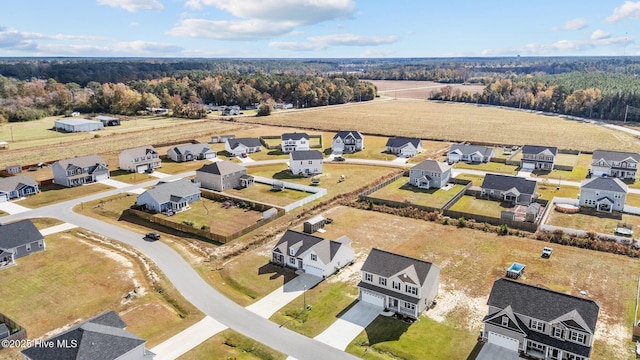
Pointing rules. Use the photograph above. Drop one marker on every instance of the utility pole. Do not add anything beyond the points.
(304, 298)
(11, 128)
(626, 112)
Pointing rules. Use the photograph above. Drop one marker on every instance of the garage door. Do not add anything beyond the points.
(142, 168)
(528, 166)
(4, 197)
(313, 270)
(104, 176)
(372, 298)
(504, 341)
(210, 156)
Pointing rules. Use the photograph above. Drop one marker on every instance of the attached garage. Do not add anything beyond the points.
(372, 298)
(104, 176)
(528, 166)
(210, 155)
(312, 270)
(4, 197)
(504, 341)
(142, 168)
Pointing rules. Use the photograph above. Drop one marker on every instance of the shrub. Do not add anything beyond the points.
(462, 222)
(504, 229)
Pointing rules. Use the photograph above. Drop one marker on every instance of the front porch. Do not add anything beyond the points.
(401, 307)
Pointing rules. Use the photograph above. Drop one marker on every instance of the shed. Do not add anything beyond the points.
(108, 120)
(532, 212)
(224, 138)
(4, 145)
(14, 169)
(314, 224)
(215, 139)
(269, 213)
(77, 125)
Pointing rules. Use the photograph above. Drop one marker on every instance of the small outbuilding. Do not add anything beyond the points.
(108, 120)
(78, 125)
(312, 225)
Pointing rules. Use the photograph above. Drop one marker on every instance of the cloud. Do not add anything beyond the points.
(599, 35)
(629, 10)
(575, 24)
(133, 5)
(326, 41)
(11, 38)
(562, 46)
(260, 19)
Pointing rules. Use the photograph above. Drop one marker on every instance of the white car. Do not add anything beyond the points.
(546, 252)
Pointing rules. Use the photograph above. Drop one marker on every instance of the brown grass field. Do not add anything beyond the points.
(408, 89)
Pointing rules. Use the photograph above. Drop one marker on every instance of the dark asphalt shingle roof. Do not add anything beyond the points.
(292, 237)
(535, 149)
(18, 233)
(506, 182)
(324, 248)
(605, 184)
(560, 344)
(294, 136)
(540, 303)
(222, 168)
(432, 166)
(396, 142)
(306, 155)
(614, 155)
(344, 134)
(139, 151)
(165, 192)
(387, 264)
(16, 182)
(192, 148)
(82, 161)
(470, 149)
(248, 142)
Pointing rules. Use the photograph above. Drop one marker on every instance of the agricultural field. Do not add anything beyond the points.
(400, 191)
(408, 89)
(433, 120)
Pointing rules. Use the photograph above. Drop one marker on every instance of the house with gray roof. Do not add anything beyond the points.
(139, 159)
(398, 283)
(347, 142)
(17, 186)
(512, 189)
(240, 146)
(618, 164)
(469, 153)
(191, 152)
(79, 171)
(108, 120)
(430, 174)
(539, 323)
(294, 142)
(169, 197)
(19, 239)
(538, 157)
(305, 162)
(223, 175)
(603, 194)
(404, 147)
(314, 255)
(103, 337)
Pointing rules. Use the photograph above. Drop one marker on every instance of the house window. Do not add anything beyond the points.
(368, 277)
(577, 337)
(410, 306)
(505, 320)
(382, 281)
(411, 290)
(40, 244)
(395, 285)
(292, 260)
(292, 251)
(314, 257)
(310, 162)
(537, 325)
(536, 346)
(557, 332)
(29, 247)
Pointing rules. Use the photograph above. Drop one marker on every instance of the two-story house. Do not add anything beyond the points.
(539, 322)
(242, 146)
(140, 159)
(19, 239)
(603, 193)
(305, 162)
(512, 189)
(294, 142)
(222, 175)
(430, 174)
(403, 147)
(347, 142)
(618, 164)
(398, 283)
(81, 170)
(169, 197)
(314, 255)
(191, 152)
(538, 157)
(469, 153)
(14, 187)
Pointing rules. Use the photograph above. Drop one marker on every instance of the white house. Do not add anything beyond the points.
(603, 193)
(469, 153)
(240, 146)
(78, 125)
(191, 152)
(404, 147)
(139, 159)
(538, 157)
(305, 162)
(171, 196)
(347, 142)
(294, 142)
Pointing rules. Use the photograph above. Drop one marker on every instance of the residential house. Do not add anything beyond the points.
(312, 254)
(108, 120)
(347, 142)
(17, 186)
(139, 159)
(538, 322)
(81, 170)
(603, 193)
(430, 174)
(538, 157)
(404, 147)
(191, 152)
(512, 189)
(77, 125)
(242, 146)
(294, 142)
(469, 153)
(4, 331)
(19, 239)
(103, 337)
(618, 164)
(223, 175)
(169, 197)
(305, 162)
(398, 283)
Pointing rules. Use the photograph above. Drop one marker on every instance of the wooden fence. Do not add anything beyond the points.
(377, 187)
(16, 332)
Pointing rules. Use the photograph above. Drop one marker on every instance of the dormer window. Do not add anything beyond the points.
(314, 257)
(505, 320)
(558, 332)
(292, 251)
(368, 277)
(577, 337)
(537, 325)
(382, 281)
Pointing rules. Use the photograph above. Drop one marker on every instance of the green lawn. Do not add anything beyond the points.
(567, 159)
(50, 194)
(579, 172)
(476, 180)
(43, 223)
(587, 222)
(262, 192)
(131, 178)
(469, 204)
(229, 344)
(171, 167)
(400, 191)
(633, 200)
(266, 154)
(549, 190)
(490, 167)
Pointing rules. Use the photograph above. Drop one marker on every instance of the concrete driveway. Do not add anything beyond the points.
(496, 352)
(13, 208)
(57, 229)
(280, 297)
(186, 340)
(348, 326)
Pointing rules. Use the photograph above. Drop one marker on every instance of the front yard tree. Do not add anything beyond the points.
(264, 110)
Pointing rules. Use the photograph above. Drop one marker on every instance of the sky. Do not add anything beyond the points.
(318, 28)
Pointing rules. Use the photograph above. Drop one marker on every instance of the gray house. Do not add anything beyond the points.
(102, 337)
(347, 142)
(19, 239)
(169, 197)
(469, 153)
(240, 146)
(17, 186)
(191, 152)
(80, 170)
(538, 322)
(511, 189)
(139, 159)
(618, 164)
(603, 193)
(404, 147)
(305, 162)
(222, 175)
(430, 174)
(538, 157)
(398, 283)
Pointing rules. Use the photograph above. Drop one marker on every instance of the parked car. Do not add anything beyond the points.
(339, 158)
(149, 171)
(152, 236)
(546, 252)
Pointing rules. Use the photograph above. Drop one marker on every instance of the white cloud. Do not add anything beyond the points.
(629, 10)
(134, 24)
(229, 30)
(11, 38)
(133, 5)
(325, 41)
(561, 46)
(599, 35)
(575, 24)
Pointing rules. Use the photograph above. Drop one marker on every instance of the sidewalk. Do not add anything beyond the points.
(280, 297)
(188, 339)
(57, 229)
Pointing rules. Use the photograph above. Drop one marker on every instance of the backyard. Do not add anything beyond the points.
(588, 222)
(472, 205)
(492, 167)
(264, 193)
(50, 194)
(399, 190)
